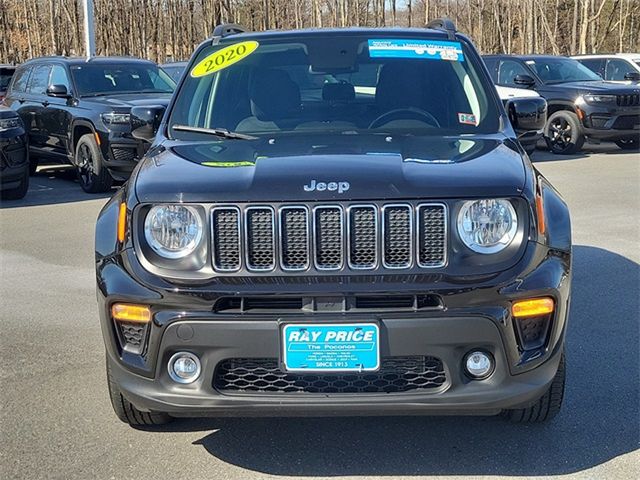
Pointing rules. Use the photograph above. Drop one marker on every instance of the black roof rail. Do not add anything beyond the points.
(226, 29)
(445, 24)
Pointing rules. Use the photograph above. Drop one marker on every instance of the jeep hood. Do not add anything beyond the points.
(131, 99)
(271, 170)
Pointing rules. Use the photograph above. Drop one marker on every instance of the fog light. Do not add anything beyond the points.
(184, 367)
(478, 364)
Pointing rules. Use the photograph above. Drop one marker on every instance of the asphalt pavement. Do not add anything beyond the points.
(56, 420)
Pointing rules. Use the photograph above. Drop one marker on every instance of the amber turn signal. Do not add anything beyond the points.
(122, 222)
(126, 312)
(533, 308)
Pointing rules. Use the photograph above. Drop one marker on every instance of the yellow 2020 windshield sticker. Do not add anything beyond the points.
(224, 58)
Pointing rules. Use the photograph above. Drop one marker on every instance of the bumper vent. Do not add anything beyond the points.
(264, 376)
(132, 336)
(329, 237)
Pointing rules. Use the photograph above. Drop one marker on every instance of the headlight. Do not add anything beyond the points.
(114, 118)
(487, 226)
(601, 99)
(9, 123)
(173, 231)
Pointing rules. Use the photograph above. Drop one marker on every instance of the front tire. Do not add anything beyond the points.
(92, 174)
(127, 413)
(563, 133)
(19, 192)
(547, 406)
(629, 143)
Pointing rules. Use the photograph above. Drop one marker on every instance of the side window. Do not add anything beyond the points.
(617, 69)
(491, 64)
(39, 80)
(593, 64)
(20, 80)
(508, 69)
(59, 77)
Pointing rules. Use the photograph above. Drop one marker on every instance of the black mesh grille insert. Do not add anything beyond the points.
(264, 376)
(329, 242)
(432, 235)
(363, 237)
(260, 239)
(295, 238)
(397, 236)
(226, 239)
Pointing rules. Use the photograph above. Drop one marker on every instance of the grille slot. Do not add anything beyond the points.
(260, 238)
(258, 376)
(294, 236)
(328, 238)
(226, 239)
(432, 233)
(363, 237)
(397, 236)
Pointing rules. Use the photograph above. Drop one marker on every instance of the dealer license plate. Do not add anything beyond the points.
(331, 347)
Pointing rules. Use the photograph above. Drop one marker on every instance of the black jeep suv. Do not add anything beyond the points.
(77, 110)
(581, 104)
(336, 222)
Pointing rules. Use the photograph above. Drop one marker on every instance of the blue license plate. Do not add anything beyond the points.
(342, 347)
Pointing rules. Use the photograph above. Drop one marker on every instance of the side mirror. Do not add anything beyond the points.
(633, 76)
(145, 122)
(524, 80)
(59, 91)
(528, 116)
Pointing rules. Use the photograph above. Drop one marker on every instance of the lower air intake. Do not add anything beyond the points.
(264, 376)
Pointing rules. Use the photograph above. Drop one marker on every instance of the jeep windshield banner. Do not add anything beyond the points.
(425, 49)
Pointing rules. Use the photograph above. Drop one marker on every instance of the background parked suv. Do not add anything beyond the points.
(621, 67)
(6, 72)
(77, 110)
(580, 104)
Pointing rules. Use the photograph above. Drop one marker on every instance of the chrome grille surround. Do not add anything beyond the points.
(397, 236)
(226, 253)
(432, 241)
(294, 254)
(362, 237)
(260, 239)
(329, 237)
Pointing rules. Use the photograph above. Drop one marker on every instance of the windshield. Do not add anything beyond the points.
(174, 71)
(338, 84)
(107, 79)
(562, 70)
(5, 77)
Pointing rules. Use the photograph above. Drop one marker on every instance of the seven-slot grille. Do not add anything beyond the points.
(329, 237)
(628, 100)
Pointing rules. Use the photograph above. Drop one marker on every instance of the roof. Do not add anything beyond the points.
(627, 56)
(323, 32)
(97, 59)
(523, 57)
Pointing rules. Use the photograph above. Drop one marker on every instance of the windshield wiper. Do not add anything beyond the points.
(220, 132)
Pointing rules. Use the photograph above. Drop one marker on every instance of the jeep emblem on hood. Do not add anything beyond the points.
(341, 187)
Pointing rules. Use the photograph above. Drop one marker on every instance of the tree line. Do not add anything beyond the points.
(162, 30)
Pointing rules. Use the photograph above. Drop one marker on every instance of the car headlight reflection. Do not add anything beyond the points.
(173, 231)
(487, 226)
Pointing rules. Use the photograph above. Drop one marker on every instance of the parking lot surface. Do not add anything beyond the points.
(56, 420)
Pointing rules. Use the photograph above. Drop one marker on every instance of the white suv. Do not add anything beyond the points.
(619, 67)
